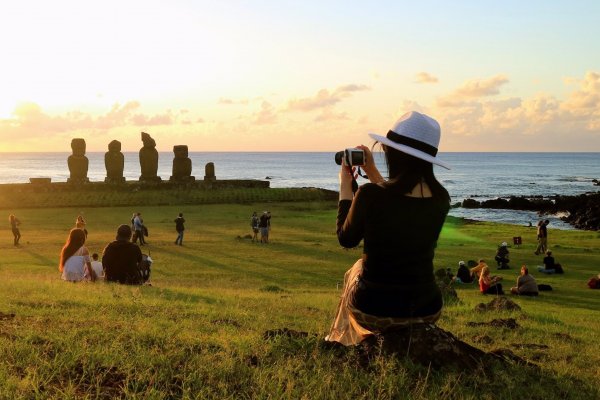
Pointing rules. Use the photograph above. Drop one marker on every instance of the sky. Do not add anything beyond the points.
(298, 75)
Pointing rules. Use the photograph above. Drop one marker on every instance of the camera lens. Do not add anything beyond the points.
(338, 157)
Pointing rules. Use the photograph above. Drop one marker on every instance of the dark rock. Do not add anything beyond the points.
(471, 203)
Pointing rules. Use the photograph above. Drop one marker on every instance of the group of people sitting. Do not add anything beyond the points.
(490, 284)
(122, 260)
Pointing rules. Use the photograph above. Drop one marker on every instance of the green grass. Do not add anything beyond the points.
(198, 331)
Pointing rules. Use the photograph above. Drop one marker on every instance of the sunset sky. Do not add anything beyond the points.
(298, 75)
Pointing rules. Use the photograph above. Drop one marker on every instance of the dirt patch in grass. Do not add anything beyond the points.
(509, 323)
(498, 304)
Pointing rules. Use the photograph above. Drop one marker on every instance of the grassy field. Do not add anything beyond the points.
(197, 332)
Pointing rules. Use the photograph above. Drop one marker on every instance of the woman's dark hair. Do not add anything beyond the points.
(406, 171)
(75, 240)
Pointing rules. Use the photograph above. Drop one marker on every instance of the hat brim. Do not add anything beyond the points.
(409, 150)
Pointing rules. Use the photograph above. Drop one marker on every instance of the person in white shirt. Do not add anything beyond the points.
(97, 266)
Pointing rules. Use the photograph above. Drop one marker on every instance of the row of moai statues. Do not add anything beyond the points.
(114, 161)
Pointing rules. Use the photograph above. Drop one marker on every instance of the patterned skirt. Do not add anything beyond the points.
(351, 326)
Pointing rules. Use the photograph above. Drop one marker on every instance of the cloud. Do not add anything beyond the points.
(541, 120)
(324, 98)
(29, 120)
(229, 102)
(329, 115)
(266, 115)
(425, 77)
(473, 90)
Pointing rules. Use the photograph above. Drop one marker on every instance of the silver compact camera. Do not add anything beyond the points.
(351, 157)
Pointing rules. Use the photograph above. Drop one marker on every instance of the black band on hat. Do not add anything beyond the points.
(410, 142)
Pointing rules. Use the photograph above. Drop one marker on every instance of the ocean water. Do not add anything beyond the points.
(473, 175)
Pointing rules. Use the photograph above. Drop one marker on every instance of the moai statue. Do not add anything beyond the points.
(149, 159)
(209, 172)
(78, 162)
(182, 165)
(114, 161)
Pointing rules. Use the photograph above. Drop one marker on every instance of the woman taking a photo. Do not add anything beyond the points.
(399, 221)
(75, 263)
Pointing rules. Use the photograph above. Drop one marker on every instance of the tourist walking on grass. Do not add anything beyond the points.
(14, 225)
(75, 264)
(542, 237)
(138, 224)
(399, 222)
(80, 224)
(179, 227)
(254, 220)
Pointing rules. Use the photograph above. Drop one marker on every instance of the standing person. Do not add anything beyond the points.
(121, 259)
(263, 225)
(179, 221)
(542, 236)
(399, 221)
(14, 225)
(254, 224)
(75, 264)
(138, 224)
(80, 224)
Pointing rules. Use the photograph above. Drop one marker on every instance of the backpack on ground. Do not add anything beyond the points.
(144, 266)
(594, 283)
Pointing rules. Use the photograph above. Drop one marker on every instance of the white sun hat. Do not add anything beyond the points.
(415, 134)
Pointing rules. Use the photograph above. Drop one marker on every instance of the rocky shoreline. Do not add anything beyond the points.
(582, 212)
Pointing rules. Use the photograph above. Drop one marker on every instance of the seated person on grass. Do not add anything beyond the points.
(463, 275)
(97, 266)
(121, 259)
(550, 267)
(476, 270)
(526, 285)
(489, 284)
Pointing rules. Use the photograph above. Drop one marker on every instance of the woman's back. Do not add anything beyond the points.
(74, 268)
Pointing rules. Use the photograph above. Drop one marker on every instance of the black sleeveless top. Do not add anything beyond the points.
(400, 234)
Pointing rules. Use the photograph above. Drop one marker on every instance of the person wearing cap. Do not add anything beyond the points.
(121, 259)
(502, 256)
(399, 221)
(463, 274)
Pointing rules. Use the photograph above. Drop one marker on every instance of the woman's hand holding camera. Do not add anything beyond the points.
(347, 175)
(369, 167)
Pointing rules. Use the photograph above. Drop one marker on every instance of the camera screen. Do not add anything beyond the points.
(357, 157)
